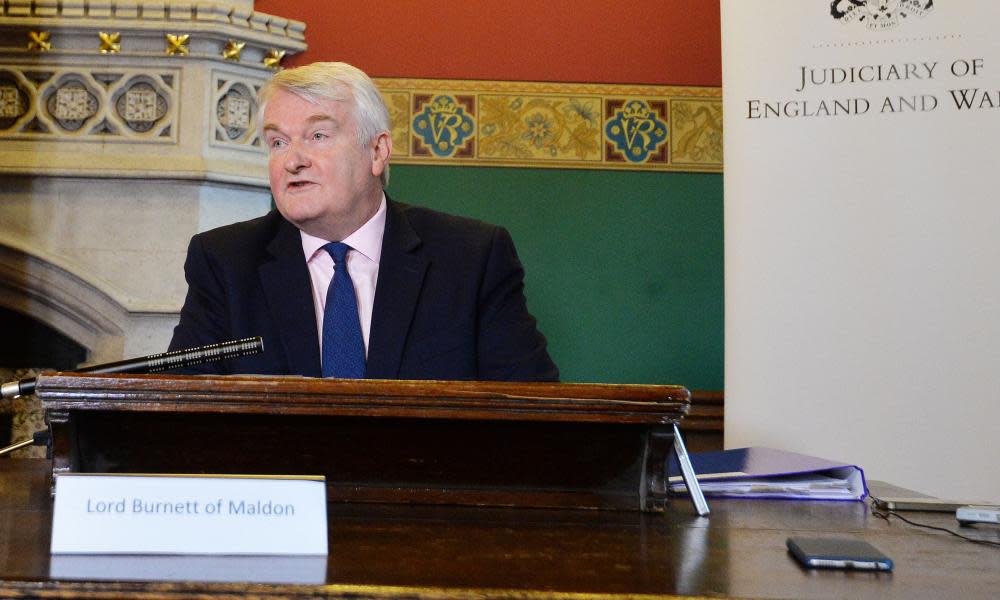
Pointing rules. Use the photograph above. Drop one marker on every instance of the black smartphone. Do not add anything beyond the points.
(838, 553)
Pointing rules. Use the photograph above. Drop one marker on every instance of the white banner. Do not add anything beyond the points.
(862, 246)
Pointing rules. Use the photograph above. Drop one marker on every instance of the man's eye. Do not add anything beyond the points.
(319, 136)
(276, 144)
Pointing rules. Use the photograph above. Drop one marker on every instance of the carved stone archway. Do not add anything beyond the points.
(43, 290)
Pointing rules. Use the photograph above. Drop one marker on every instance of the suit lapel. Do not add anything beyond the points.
(286, 283)
(400, 277)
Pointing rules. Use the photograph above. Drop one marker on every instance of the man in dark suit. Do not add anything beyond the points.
(428, 295)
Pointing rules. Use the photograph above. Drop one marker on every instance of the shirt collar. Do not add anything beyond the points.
(367, 239)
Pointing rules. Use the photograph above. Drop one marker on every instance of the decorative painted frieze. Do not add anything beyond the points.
(555, 125)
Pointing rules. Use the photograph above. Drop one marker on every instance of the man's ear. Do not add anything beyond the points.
(381, 149)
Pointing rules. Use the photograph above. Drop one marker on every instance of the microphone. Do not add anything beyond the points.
(154, 363)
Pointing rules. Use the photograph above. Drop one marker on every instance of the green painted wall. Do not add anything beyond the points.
(624, 269)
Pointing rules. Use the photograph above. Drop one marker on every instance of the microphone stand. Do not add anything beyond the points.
(153, 363)
(40, 438)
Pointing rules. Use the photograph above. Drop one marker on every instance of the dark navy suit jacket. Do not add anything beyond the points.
(449, 302)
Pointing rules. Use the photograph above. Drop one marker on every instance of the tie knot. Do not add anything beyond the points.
(338, 250)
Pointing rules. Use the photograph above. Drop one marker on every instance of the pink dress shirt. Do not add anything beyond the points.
(362, 263)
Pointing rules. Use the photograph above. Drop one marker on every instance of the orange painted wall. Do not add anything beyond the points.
(667, 42)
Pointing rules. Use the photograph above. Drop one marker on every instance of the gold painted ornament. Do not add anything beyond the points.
(232, 50)
(272, 60)
(39, 41)
(110, 42)
(177, 45)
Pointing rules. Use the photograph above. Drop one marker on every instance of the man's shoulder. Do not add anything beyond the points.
(430, 224)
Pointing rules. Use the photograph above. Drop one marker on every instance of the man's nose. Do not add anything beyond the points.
(296, 158)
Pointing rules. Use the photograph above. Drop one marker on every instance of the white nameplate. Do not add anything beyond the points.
(189, 514)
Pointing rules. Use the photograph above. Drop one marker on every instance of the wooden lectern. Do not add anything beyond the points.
(430, 442)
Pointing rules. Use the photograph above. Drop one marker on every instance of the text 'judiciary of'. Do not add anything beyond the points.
(965, 98)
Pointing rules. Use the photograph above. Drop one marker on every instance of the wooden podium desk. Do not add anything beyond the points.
(435, 552)
(557, 445)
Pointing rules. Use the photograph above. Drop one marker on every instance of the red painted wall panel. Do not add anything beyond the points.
(667, 42)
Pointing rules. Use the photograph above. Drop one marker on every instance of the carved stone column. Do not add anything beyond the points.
(125, 128)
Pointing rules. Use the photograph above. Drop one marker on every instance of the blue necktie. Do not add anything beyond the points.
(343, 347)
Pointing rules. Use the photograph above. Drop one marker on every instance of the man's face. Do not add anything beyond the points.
(322, 179)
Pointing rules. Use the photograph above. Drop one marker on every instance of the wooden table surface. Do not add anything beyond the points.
(444, 552)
